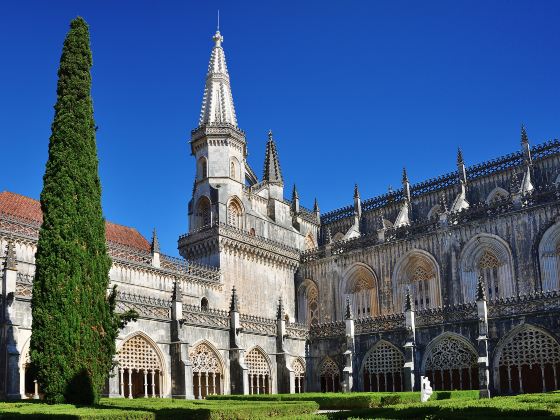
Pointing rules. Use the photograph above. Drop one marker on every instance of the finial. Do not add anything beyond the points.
(480, 293)
(295, 194)
(348, 313)
(316, 206)
(356, 192)
(270, 138)
(155, 242)
(407, 300)
(404, 176)
(218, 38)
(234, 305)
(524, 137)
(460, 160)
(280, 311)
(10, 261)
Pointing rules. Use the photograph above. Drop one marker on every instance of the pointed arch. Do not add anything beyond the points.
(549, 258)
(359, 284)
(259, 366)
(527, 359)
(488, 256)
(308, 302)
(329, 375)
(140, 362)
(450, 362)
(419, 271)
(497, 195)
(382, 368)
(298, 367)
(309, 242)
(235, 213)
(203, 212)
(234, 169)
(202, 168)
(208, 369)
(435, 211)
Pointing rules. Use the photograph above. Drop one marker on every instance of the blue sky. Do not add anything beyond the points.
(353, 91)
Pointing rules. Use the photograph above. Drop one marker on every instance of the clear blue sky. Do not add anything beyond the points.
(353, 91)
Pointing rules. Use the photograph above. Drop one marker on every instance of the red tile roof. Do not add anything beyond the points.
(28, 208)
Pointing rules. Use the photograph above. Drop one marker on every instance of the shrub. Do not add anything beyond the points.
(390, 400)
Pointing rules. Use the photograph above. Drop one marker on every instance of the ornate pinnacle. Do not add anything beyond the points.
(404, 176)
(280, 311)
(407, 300)
(10, 262)
(328, 236)
(177, 294)
(443, 202)
(524, 137)
(356, 191)
(348, 314)
(316, 206)
(270, 137)
(295, 194)
(155, 243)
(234, 305)
(480, 293)
(460, 160)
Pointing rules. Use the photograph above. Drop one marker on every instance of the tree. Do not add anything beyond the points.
(74, 324)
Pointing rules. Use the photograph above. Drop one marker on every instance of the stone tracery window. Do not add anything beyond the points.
(259, 372)
(418, 272)
(202, 168)
(451, 364)
(234, 214)
(203, 213)
(489, 265)
(309, 242)
(549, 258)
(207, 371)
(299, 375)
(140, 368)
(383, 369)
(330, 376)
(313, 305)
(529, 362)
(361, 290)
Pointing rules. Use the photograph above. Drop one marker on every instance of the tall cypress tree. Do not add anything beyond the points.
(74, 328)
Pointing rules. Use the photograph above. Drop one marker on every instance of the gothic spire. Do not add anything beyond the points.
(316, 206)
(155, 243)
(524, 137)
(234, 305)
(217, 102)
(271, 171)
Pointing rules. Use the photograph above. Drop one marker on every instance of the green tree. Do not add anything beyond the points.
(74, 325)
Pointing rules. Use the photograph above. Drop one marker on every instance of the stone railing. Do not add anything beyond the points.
(145, 306)
(446, 314)
(520, 305)
(190, 269)
(257, 325)
(369, 325)
(328, 330)
(297, 331)
(20, 226)
(24, 285)
(209, 318)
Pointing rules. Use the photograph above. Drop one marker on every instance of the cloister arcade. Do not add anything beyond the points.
(299, 376)
(382, 368)
(329, 376)
(260, 381)
(208, 371)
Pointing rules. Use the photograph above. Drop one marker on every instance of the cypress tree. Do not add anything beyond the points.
(74, 327)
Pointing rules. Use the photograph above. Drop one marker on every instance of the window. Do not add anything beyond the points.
(234, 214)
(329, 376)
(202, 168)
(418, 272)
(207, 371)
(204, 304)
(203, 215)
(361, 289)
(259, 372)
(383, 369)
(488, 266)
(299, 376)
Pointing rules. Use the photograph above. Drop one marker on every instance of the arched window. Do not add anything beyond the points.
(360, 286)
(234, 214)
(207, 371)
(418, 272)
(140, 368)
(313, 306)
(308, 302)
(234, 169)
(497, 196)
(259, 372)
(529, 361)
(202, 169)
(299, 376)
(309, 242)
(489, 257)
(549, 258)
(383, 368)
(451, 363)
(204, 304)
(435, 211)
(203, 215)
(252, 232)
(329, 375)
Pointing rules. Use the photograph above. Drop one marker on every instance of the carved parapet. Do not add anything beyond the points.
(297, 331)
(208, 318)
(466, 312)
(328, 330)
(145, 306)
(258, 325)
(368, 325)
(541, 302)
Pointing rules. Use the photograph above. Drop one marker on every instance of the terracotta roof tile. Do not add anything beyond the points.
(28, 208)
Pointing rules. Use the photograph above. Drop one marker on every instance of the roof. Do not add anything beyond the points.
(30, 209)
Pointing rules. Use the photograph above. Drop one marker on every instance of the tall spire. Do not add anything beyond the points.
(155, 243)
(272, 171)
(217, 102)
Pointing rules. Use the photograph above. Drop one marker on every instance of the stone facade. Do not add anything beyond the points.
(455, 278)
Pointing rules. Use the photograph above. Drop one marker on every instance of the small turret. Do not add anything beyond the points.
(357, 202)
(525, 147)
(234, 304)
(316, 211)
(406, 185)
(461, 170)
(295, 200)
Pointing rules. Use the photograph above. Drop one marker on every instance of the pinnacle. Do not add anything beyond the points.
(155, 242)
(271, 172)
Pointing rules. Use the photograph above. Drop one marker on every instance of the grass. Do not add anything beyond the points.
(403, 405)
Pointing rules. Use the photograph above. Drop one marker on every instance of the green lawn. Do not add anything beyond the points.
(457, 405)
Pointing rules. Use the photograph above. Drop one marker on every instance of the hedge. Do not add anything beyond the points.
(37, 410)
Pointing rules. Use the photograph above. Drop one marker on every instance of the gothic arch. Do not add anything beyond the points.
(549, 258)
(359, 284)
(382, 368)
(234, 170)
(496, 195)
(450, 362)
(208, 369)
(259, 371)
(235, 213)
(488, 256)
(527, 359)
(203, 212)
(419, 271)
(141, 362)
(298, 367)
(329, 375)
(309, 242)
(26, 380)
(435, 211)
(308, 302)
(202, 168)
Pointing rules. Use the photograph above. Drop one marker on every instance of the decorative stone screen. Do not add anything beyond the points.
(329, 376)
(313, 305)
(451, 364)
(234, 214)
(207, 371)
(299, 375)
(259, 372)
(529, 362)
(383, 369)
(136, 353)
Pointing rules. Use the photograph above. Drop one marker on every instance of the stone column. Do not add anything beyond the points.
(348, 371)
(114, 389)
(284, 376)
(483, 365)
(181, 368)
(410, 345)
(121, 377)
(129, 383)
(238, 371)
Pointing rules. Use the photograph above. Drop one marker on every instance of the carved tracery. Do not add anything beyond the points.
(259, 372)
(383, 368)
